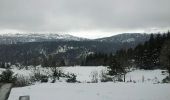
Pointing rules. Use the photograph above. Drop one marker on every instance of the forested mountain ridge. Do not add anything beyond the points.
(126, 37)
(47, 37)
(71, 52)
(154, 53)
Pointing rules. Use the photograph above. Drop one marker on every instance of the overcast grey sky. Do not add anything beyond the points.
(84, 18)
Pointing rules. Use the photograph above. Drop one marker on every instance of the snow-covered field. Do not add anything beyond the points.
(146, 76)
(144, 85)
(93, 91)
(84, 74)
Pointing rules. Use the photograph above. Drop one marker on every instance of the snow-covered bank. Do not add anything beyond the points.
(93, 91)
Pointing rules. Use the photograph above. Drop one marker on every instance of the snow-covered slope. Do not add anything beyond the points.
(36, 37)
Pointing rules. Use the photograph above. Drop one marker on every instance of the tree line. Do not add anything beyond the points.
(152, 54)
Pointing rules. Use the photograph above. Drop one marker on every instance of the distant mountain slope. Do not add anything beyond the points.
(126, 38)
(36, 37)
(71, 49)
(133, 38)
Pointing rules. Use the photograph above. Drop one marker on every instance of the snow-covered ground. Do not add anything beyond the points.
(93, 91)
(149, 76)
(84, 74)
(144, 85)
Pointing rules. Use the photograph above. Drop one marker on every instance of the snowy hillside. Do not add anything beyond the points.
(36, 37)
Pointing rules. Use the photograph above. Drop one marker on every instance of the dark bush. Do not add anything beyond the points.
(166, 80)
(106, 79)
(44, 79)
(72, 78)
(7, 76)
(39, 77)
(22, 81)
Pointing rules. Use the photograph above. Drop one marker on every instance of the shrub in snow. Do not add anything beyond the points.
(164, 72)
(56, 73)
(72, 78)
(94, 76)
(44, 79)
(119, 78)
(166, 80)
(53, 81)
(22, 81)
(7, 76)
(104, 77)
(39, 77)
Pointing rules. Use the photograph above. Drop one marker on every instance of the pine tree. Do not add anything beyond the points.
(62, 62)
(114, 67)
(2, 65)
(165, 55)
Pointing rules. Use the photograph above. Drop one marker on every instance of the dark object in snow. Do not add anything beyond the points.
(72, 78)
(24, 98)
(166, 80)
(7, 76)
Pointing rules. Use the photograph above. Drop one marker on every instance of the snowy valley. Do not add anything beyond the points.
(84, 50)
(122, 67)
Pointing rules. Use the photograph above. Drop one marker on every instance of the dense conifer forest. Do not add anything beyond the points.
(152, 54)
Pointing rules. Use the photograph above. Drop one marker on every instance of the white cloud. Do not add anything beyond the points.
(87, 18)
